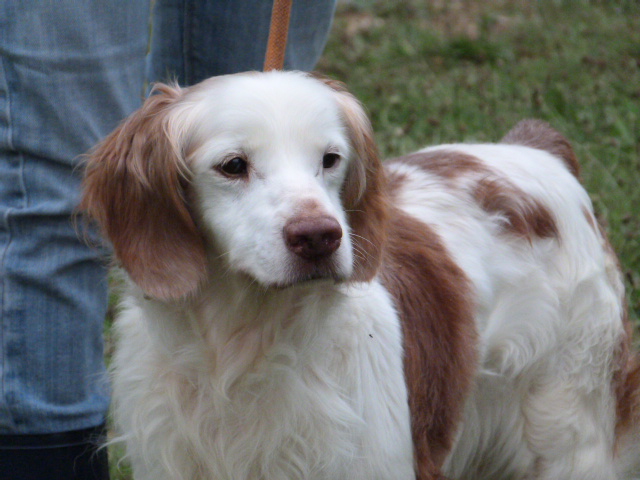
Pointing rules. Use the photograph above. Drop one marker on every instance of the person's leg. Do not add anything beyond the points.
(70, 70)
(55, 456)
(196, 39)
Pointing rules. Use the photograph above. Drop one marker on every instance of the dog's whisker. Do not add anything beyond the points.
(359, 254)
(362, 238)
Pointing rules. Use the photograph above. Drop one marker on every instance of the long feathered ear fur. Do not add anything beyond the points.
(134, 188)
(364, 194)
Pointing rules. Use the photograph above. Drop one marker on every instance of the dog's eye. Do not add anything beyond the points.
(234, 167)
(330, 160)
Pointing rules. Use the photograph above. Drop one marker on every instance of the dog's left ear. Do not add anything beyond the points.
(135, 189)
(364, 193)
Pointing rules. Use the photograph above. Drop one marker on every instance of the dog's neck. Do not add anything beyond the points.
(239, 323)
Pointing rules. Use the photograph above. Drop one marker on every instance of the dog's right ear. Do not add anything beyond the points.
(134, 188)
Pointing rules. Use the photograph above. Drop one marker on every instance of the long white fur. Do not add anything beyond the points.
(295, 393)
(245, 381)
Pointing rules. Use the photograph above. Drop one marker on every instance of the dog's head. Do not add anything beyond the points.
(274, 176)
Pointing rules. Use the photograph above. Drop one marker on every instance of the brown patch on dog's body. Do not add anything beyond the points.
(447, 164)
(538, 134)
(394, 180)
(524, 216)
(435, 304)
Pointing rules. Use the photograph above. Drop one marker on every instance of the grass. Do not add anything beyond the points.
(460, 70)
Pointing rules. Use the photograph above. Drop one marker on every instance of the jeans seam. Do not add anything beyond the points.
(3, 255)
(4, 317)
(5, 86)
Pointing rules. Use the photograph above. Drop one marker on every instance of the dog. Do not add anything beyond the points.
(297, 310)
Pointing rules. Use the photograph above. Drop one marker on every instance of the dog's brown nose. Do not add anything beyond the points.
(313, 237)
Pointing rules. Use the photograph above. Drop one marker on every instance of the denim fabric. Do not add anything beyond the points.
(70, 70)
(195, 39)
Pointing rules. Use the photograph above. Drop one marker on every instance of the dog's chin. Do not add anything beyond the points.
(301, 277)
(308, 281)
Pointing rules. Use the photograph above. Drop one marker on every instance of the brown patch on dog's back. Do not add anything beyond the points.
(394, 180)
(435, 304)
(444, 163)
(538, 134)
(526, 217)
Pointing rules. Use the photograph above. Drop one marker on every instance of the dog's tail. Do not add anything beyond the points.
(539, 134)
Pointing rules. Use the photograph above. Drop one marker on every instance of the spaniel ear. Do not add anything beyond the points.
(364, 193)
(134, 188)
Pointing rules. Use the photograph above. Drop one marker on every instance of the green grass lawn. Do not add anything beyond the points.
(433, 71)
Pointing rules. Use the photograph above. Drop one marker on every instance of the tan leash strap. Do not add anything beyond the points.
(277, 45)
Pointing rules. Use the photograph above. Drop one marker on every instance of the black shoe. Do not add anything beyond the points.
(57, 456)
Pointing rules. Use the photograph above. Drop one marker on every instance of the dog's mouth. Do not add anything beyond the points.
(308, 271)
(298, 275)
(306, 283)
(310, 280)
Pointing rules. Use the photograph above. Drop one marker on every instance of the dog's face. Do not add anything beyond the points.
(269, 159)
(270, 176)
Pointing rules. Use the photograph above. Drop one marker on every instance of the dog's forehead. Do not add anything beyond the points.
(272, 96)
(268, 93)
(282, 86)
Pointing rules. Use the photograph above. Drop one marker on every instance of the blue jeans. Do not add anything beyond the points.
(70, 70)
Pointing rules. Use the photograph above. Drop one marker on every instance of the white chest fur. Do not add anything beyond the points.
(316, 392)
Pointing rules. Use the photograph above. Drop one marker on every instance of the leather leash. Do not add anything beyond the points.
(277, 44)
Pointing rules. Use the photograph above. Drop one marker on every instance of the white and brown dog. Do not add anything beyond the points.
(297, 310)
